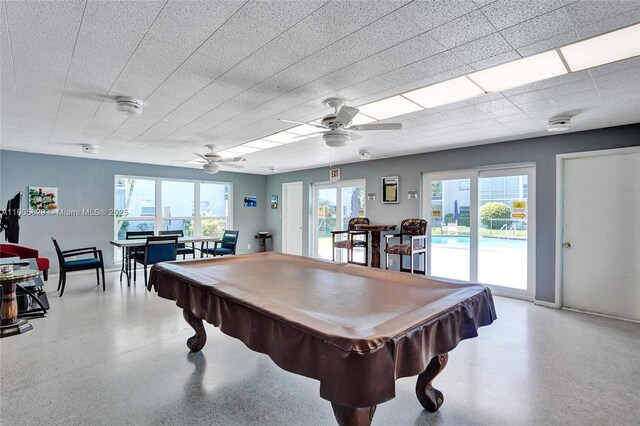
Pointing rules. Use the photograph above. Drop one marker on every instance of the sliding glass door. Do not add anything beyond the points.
(479, 226)
(334, 203)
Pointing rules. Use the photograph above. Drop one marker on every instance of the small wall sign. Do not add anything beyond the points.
(334, 174)
(518, 209)
(371, 196)
(412, 195)
(390, 189)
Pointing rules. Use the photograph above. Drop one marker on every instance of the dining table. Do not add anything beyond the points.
(375, 230)
(128, 245)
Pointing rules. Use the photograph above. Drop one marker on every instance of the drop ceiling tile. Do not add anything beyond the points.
(462, 30)
(631, 63)
(493, 61)
(413, 50)
(507, 13)
(482, 48)
(402, 76)
(442, 62)
(609, 24)
(549, 43)
(537, 29)
(431, 14)
(537, 97)
(584, 13)
(499, 108)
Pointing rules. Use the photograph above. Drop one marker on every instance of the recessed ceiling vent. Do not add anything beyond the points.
(559, 124)
(129, 106)
(90, 149)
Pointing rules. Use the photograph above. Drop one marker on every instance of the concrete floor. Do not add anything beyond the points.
(119, 358)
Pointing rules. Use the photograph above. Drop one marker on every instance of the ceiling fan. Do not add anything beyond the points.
(214, 161)
(337, 130)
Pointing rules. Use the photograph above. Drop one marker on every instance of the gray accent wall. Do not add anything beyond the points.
(540, 151)
(89, 184)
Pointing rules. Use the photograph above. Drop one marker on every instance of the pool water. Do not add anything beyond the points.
(461, 242)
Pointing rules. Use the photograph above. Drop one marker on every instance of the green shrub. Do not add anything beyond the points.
(448, 218)
(464, 219)
(492, 211)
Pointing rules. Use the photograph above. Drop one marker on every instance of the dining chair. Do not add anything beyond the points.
(156, 249)
(131, 252)
(353, 240)
(182, 247)
(223, 247)
(413, 241)
(96, 262)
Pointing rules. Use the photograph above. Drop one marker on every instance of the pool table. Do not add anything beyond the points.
(355, 329)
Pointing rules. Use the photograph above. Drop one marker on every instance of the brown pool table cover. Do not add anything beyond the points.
(355, 329)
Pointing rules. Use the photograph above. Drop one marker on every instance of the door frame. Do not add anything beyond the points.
(560, 159)
(475, 174)
(313, 234)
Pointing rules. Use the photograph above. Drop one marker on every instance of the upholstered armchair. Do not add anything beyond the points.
(350, 239)
(412, 241)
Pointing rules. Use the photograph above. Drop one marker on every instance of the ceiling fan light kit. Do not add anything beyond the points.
(127, 105)
(559, 124)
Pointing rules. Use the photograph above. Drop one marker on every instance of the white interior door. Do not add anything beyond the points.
(601, 234)
(292, 218)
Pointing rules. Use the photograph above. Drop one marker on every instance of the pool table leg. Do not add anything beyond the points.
(351, 416)
(196, 342)
(430, 397)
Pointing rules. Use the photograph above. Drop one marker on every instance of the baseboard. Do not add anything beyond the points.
(546, 304)
(601, 315)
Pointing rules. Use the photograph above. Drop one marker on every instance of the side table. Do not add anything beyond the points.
(10, 324)
(263, 240)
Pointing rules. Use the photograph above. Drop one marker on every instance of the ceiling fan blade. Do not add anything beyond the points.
(376, 126)
(300, 122)
(346, 114)
(231, 159)
(308, 136)
(202, 156)
(234, 166)
(354, 136)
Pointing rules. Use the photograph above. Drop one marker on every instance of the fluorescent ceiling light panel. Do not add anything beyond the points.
(262, 144)
(603, 49)
(283, 137)
(361, 118)
(304, 129)
(517, 73)
(446, 92)
(242, 150)
(390, 107)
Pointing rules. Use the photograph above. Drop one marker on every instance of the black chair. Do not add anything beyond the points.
(156, 249)
(350, 242)
(413, 241)
(182, 248)
(133, 251)
(96, 262)
(226, 246)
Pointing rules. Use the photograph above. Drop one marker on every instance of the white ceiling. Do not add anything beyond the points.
(223, 71)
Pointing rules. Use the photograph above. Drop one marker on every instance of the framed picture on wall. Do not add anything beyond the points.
(390, 189)
(43, 199)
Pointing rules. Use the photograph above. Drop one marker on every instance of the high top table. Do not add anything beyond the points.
(355, 330)
(375, 240)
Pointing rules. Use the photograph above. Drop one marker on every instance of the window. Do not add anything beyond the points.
(162, 204)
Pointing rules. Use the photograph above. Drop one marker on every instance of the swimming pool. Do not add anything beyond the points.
(462, 242)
